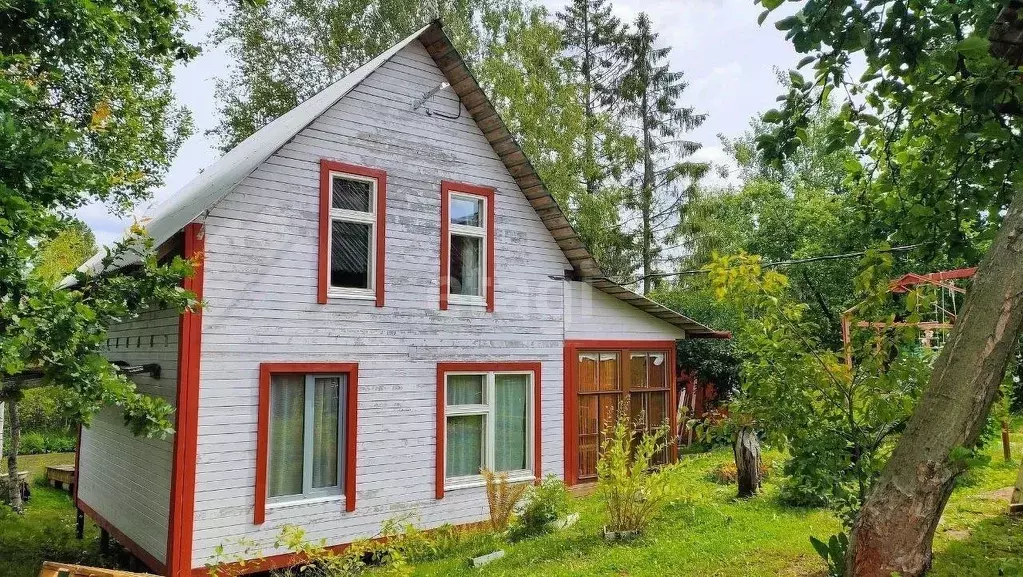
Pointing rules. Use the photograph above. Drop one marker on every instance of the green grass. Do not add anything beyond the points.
(47, 529)
(705, 531)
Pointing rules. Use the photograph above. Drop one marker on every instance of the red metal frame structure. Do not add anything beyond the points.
(942, 280)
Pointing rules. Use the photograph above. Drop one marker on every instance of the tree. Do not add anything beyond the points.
(936, 118)
(86, 114)
(60, 256)
(650, 93)
(285, 51)
(593, 39)
(836, 423)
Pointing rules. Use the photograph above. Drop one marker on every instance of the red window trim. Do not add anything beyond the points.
(444, 368)
(263, 425)
(572, 348)
(326, 167)
(446, 188)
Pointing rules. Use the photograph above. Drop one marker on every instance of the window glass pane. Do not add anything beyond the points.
(287, 429)
(511, 422)
(657, 371)
(466, 265)
(349, 254)
(637, 370)
(349, 194)
(608, 377)
(588, 372)
(465, 445)
(326, 413)
(466, 211)
(465, 389)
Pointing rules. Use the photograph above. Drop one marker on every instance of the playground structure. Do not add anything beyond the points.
(935, 322)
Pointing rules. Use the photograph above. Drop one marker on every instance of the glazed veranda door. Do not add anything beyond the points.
(609, 381)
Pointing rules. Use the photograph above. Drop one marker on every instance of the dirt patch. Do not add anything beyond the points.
(1000, 495)
(957, 535)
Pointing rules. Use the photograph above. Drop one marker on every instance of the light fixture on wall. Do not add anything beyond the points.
(422, 100)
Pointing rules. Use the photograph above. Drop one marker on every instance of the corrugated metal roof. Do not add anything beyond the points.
(209, 187)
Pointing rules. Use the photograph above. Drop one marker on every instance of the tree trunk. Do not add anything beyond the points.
(747, 462)
(12, 456)
(2, 411)
(647, 199)
(894, 530)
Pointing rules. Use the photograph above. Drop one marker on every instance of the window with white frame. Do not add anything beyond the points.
(467, 242)
(306, 436)
(488, 425)
(353, 230)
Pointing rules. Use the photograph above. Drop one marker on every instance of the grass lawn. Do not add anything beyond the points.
(47, 530)
(705, 531)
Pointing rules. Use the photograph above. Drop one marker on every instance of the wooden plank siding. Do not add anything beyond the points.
(124, 478)
(260, 289)
(592, 314)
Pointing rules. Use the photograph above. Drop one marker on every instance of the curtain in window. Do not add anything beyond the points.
(465, 445)
(511, 422)
(287, 429)
(326, 399)
(465, 265)
(465, 389)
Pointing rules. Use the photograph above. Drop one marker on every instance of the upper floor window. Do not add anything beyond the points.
(467, 245)
(352, 207)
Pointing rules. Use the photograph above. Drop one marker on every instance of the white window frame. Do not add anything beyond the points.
(309, 493)
(479, 232)
(487, 411)
(358, 217)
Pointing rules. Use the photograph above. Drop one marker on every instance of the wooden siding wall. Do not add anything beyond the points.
(126, 479)
(260, 289)
(591, 314)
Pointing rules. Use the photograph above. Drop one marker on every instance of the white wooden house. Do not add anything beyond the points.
(393, 301)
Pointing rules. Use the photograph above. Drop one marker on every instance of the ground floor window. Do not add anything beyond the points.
(306, 434)
(487, 419)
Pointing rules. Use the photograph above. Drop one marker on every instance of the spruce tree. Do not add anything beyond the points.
(650, 94)
(593, 40)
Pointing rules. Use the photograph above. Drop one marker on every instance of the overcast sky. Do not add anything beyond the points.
(728, 60)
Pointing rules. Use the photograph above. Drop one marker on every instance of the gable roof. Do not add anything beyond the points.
(213, 184)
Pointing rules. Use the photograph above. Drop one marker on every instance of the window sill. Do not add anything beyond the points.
(463, 300)
(474, 482)
(299, 501)
(339, 294)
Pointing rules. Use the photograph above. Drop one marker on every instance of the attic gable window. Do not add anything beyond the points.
(467, 245)
(352, 219)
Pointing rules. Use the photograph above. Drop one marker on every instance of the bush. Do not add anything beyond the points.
(502, 497)
(544, 504)
(632, 494)
(39, 442)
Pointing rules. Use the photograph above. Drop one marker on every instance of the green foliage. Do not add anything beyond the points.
(42, 442)
(86, 115)
(711, 361)
(832, 552)
(665, 175)
(837, 424)
(59, 256)
(631, 492)
(933, 117)
(543, 505)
